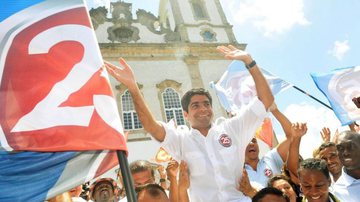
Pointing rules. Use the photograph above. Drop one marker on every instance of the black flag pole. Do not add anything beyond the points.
(297, 88)
(126, 175)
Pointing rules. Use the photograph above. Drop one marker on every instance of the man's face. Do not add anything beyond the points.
(103, 192)
(200, 112)
(349, 151)
(285, 187)
(330, 155)
(143, 178)
(252, 150)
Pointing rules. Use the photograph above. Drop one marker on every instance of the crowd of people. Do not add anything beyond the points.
(220, 161)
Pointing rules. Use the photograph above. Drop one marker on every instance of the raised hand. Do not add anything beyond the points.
(245, 186)
(356, 101)
(336, 136)
(172, 169)
(184, 180)
(124, 75)
(354, 127)
(298, 130)
(232, 53)
(325, 134)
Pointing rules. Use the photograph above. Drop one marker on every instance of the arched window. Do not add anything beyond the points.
(172, 106)
(130, 117)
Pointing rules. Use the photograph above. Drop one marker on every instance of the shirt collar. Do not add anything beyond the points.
(346, 179)
(196, 133)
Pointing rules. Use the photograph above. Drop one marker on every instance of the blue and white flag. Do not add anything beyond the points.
(236, 87)
(37, 176)
(340, 86)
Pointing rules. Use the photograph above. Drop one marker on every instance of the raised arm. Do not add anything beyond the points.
(283, 147)
(262, 88)
(184, 182)
(298, 130)
(171, 171)
(126, 76)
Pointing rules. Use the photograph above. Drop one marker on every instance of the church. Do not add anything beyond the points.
(170, 53)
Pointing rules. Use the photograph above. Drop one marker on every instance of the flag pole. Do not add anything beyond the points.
(297, 88)
(125, 172)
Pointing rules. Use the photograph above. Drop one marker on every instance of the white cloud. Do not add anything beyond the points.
(270, 17)
(340, 49)
(316, 119)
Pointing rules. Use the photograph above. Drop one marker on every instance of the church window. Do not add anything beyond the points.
(172, 106)
(199, 10)
(130, 117)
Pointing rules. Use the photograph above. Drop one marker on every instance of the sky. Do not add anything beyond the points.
(291, 39)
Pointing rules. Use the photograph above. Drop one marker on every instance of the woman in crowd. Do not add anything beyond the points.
(315, 181)
(284, 184)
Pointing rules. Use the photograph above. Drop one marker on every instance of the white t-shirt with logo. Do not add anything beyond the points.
(269, 165)
(216, 161)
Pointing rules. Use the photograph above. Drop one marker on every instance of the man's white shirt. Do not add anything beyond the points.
(347, 188)
(269, 165)
(215, 161)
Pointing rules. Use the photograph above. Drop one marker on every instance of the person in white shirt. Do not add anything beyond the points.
(347, 187)
(260, 170)
(328, 152)
(213, 153)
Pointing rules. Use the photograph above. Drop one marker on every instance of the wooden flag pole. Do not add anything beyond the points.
(126, 175)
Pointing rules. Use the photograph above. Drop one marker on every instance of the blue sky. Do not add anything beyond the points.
(291, 39)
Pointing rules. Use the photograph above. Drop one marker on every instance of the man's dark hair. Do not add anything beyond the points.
(269, 191)
(275, 178)
(140, 166)
(314, 164)
(351, 133)
(326, 145)
(154, 190)
(185, 100)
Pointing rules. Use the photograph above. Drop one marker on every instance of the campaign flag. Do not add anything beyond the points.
(340, 86)
(265, 132)
(37, 176)
(236, 87)
(55, 95)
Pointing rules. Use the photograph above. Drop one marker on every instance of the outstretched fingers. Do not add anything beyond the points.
(232, 48)
(299, 129)
(110, 68)
(223, 49)
(123, 63)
